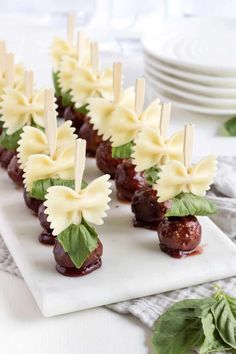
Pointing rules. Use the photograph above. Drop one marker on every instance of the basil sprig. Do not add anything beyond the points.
(229, 127)
(10, 142)
(40, 187)
(123, 152)
(152, 175)
(83, 109)
(207, 324)
(79, 241)
(189, 204)
(55, 77)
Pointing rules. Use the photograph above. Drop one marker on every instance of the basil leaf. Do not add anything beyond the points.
(212, 342)
(40, 187)
(66, 99)
(230, 127)
(189, 204)
(152, 174)
(79, 241)
(225, 321)
(83, 109)
(123, 151)
(55, 77)
(178, 330)
(10, 142)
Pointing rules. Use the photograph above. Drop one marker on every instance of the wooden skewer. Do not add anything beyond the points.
(10, 69)
(79, 163)
(51, 131)
(80, 46)
(139, 96)
(165, 118)
(117, 81)
(71, 20)
(50, 121)
(188, 144)
(94, 54)
(29, 84)
(2, 57)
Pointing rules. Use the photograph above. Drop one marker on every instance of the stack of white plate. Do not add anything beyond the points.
(192, 63)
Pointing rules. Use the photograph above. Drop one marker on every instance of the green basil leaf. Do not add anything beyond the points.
(66, 99)
(178, 330)
(10, 142)
(79, 241)
(123, 151)
(55, 77)
(40, 187)
(189, 204)
(225, 321)
(152, 174)
(212, 342)
(230, 127)
(83, 109)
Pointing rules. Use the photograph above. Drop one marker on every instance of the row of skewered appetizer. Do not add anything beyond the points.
(130, 143)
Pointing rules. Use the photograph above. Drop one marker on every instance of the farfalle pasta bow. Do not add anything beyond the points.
(152, 149)
(34, 141)
(175, 178)
(59, 49)
(86, 83)
(126, 124)
(18, 80)
(64, 206)
(68, 67)
(17, 111)
(100, 111)
(41, 166)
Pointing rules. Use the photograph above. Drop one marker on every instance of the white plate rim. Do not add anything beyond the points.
(180, 62)
(186, 95)
(189, 106)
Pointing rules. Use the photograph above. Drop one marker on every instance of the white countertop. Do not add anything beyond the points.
(22, 328)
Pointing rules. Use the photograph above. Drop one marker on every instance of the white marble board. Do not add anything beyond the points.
(133, 265)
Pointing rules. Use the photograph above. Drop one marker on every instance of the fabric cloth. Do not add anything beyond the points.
(148, 309)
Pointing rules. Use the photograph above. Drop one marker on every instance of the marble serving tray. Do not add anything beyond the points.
(133, 265)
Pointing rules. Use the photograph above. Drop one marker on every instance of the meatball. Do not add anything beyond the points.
(128, 181)
(76, 117)
(66, 267)
(179, 236)
(148, 213)
(15, 172)
(6, 156)
(46, 237)
(32, 203)
(105, 162)
(91, 136)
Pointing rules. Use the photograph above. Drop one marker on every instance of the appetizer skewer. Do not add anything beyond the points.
(150, 152)
(185, 186)
(78, 250)
(100, 111)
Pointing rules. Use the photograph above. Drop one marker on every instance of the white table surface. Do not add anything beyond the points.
(22, 328)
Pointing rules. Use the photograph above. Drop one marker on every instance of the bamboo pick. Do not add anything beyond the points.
(10, 69)
(117, 81)
(71, 20)
(50, 121)
(188, 144)
(2, 57)
(79, 163)
(94, 56)
(165, 118)
(80, 46)
(139, 96)
(51, 131)
(29, 84)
